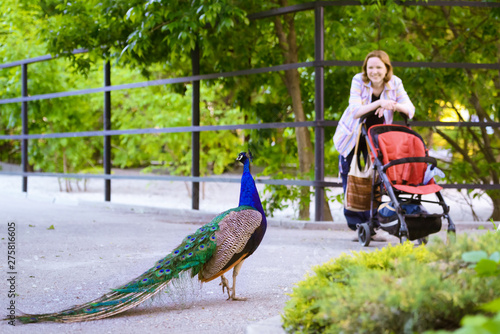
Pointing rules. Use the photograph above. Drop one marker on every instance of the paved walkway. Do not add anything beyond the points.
(70, 254)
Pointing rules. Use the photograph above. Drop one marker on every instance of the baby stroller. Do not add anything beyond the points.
(400, 161)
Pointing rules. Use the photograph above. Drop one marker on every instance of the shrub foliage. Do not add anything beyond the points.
(397, 289)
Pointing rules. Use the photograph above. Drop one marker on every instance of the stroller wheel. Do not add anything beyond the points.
(364, 234)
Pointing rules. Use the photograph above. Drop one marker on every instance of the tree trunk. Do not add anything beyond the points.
(288, 43)
(495, 198)
(304, 145)
(495, 194)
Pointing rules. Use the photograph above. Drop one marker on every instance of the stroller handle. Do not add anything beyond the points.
(363, 118)
(430, 160)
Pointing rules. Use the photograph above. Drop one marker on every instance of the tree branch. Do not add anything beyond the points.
(473, 99)
(472, 133)
(282, 41)
(464, 153)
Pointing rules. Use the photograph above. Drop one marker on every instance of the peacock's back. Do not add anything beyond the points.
(235, 230)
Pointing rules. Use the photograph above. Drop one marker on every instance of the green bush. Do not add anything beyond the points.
(485, 266)
(397, 289)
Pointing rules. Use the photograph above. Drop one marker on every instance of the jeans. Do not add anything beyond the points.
(353, 218)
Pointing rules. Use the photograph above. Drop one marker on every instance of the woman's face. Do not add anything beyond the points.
(376, 70)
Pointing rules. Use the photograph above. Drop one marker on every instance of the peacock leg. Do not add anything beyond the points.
(236, 270)
(225, 284)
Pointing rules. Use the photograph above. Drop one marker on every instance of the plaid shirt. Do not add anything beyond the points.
(361, 94)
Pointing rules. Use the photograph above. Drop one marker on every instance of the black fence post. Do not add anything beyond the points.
(319, 107)
(195, 135)
(24, 120)
(107, 126)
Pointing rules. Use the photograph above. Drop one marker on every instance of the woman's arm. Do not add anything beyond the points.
(402, 104)
(355, 100)
(402, 108)
(378, 106)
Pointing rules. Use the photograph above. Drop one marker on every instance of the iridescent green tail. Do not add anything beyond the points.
(195, 250)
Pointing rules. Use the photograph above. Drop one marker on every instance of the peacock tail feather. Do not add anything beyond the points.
(207, 252)
(212, 250)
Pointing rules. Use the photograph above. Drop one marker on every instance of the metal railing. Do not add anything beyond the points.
(318, 124)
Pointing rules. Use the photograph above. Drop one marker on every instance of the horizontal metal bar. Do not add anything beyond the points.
(471, 186)
(123, 177)
(449, 3)
(472, 66)
(346, 63)
(143, 84)
(285, 10)
(178, 129)
(257, 126)
(430, 3)
(452, 124)
(37, 59)
(312, 5)
(304, 183)
(261, 70)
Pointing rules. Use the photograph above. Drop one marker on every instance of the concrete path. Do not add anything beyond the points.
(71, 254)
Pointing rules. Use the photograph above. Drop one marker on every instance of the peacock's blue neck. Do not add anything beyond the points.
(248, 193)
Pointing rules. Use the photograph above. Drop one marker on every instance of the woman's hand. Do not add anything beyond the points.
(379, 106)
(385, 104)
(388, 104)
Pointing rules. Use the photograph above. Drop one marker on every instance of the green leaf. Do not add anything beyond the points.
(477, 320)
(51, 227)
(486, 267)
(495, 257)
(474, 256)
(493, 306)
(479, 324)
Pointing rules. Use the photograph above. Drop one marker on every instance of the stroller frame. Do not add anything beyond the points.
(383, 186)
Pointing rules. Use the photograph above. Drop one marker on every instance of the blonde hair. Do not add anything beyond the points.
(382, 55)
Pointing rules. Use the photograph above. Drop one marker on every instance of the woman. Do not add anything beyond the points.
(376, 90)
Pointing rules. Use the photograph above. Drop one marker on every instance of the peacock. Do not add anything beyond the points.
(211, 251)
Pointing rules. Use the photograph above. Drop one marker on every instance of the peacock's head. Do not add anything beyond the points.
(242, 157)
